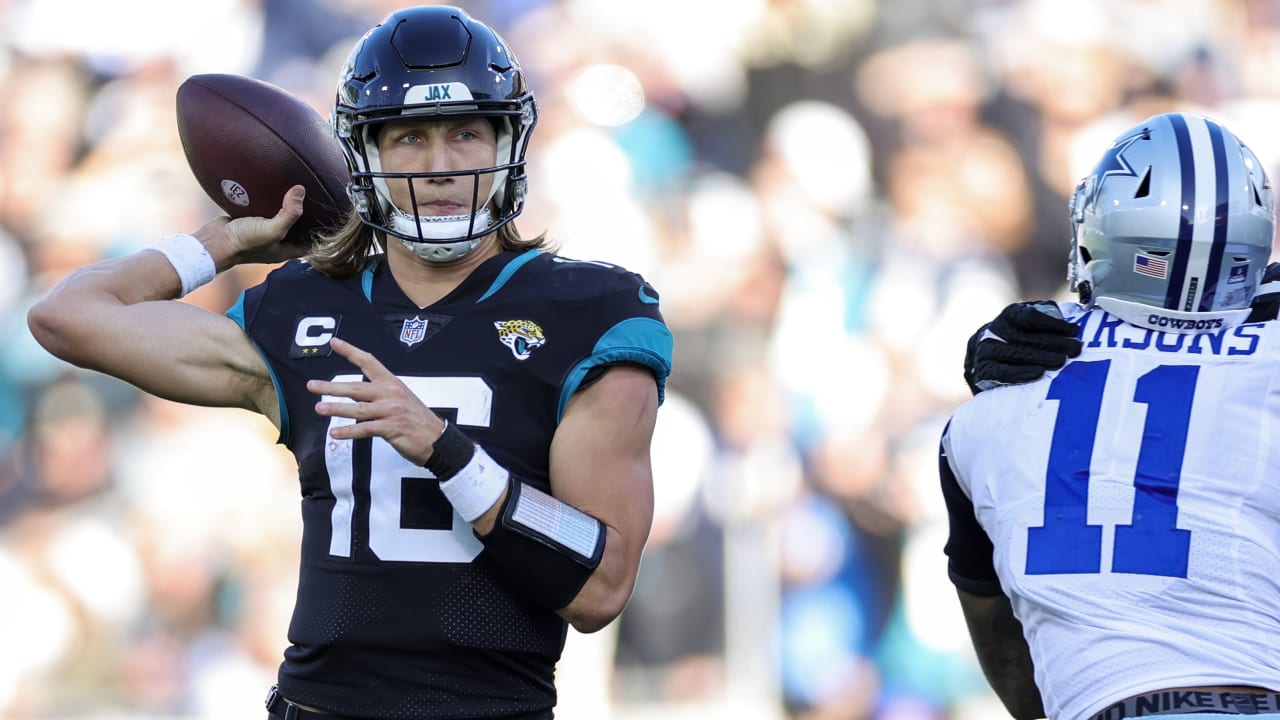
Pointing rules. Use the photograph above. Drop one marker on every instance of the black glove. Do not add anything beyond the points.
(1024, 341)
(1267, 302)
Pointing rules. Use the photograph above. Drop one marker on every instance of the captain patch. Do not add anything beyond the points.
(311, 336)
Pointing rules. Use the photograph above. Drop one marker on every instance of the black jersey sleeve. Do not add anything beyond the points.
(970, 554)
(618, 312)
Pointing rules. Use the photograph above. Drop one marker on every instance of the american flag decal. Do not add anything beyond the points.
(1151, 266)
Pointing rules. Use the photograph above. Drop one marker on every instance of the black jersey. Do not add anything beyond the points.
(400, 613)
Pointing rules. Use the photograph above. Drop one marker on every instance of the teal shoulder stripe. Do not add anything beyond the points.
(284, 407)
(236, 313)
(507, 272)
(643, 341)
(366, 279)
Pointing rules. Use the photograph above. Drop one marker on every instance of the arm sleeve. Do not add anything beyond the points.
(970, 554)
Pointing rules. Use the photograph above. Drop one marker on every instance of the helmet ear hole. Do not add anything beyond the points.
(1085, 290)
(1144, 187)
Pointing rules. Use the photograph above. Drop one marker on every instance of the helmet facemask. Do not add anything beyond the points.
(1079, 278)
(442, 238)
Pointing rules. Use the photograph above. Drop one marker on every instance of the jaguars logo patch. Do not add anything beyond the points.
(521, 336)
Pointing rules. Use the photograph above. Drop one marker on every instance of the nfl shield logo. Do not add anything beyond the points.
(413, 331)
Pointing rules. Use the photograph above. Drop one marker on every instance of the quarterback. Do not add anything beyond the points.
(470, 413)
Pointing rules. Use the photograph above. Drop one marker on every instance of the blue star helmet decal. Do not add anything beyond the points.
(1113, 162)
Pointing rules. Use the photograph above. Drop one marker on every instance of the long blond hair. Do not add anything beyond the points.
(344, 251)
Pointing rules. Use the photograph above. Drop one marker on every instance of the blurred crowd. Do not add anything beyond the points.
(830, 195)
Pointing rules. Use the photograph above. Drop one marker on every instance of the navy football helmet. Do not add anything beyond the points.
(1173, 228)
(435, 61)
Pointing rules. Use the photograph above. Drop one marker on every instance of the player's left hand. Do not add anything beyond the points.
(382, 406)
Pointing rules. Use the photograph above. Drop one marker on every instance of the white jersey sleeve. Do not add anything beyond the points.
(1133, 498)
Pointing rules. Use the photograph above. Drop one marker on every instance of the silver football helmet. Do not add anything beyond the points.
(1173, 228)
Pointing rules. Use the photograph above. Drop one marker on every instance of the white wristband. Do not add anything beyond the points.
(189, 258)
(477, 486)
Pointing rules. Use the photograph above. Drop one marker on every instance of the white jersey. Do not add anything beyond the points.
(1133, 498)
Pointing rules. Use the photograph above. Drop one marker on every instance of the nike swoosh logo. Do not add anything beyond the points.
(647, 297)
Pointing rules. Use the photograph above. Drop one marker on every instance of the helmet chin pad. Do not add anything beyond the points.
(444, 238)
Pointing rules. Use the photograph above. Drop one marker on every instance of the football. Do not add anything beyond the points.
(248, 142)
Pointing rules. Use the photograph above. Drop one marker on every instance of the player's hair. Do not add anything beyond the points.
(345, 251)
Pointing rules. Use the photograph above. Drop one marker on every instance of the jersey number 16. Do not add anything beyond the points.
(472, 398)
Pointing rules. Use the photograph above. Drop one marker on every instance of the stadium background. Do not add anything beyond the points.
(830, 196)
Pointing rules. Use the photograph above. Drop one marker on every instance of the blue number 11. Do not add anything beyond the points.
(1151, 544)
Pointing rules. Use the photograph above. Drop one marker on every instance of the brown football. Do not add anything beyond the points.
(248, 142)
